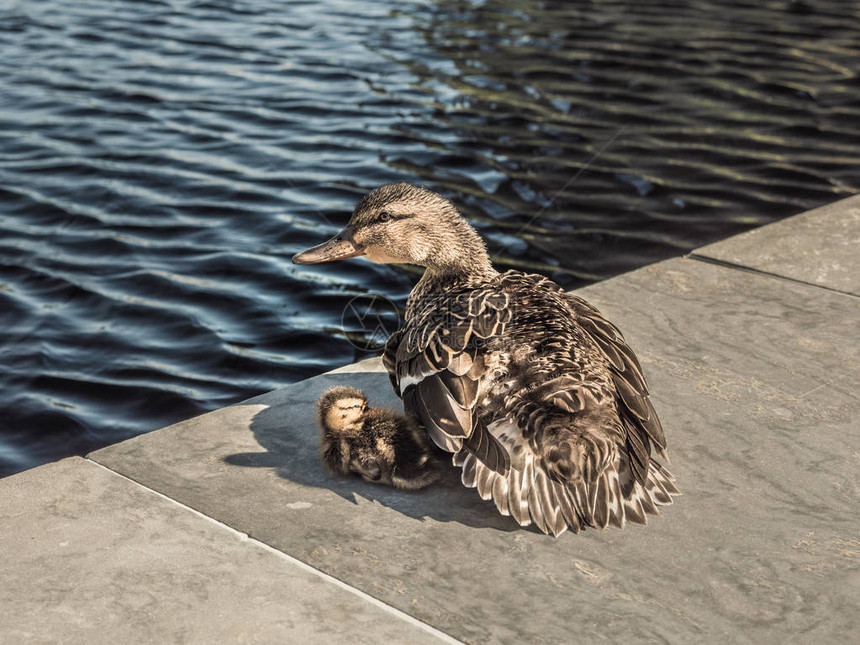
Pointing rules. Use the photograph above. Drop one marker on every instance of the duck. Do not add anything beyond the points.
(379, 445)
(531, 391)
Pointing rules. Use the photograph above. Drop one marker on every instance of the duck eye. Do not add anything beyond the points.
(384, 216)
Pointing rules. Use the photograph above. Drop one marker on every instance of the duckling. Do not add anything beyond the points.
(537, 397)
(379, 445)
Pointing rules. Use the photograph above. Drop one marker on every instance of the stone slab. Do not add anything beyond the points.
(90, 557)
(756, 381)
(820, 247)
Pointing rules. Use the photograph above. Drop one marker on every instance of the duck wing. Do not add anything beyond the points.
(436, 365)
(578, 427)
(389, 358)
(639, 419)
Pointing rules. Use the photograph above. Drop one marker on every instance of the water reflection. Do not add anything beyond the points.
(681, 122)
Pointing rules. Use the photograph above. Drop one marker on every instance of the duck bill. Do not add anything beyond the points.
(339, 247)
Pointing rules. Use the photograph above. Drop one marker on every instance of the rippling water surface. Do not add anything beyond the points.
(161, 160)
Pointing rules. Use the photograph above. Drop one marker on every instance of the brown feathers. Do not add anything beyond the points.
(545, 405)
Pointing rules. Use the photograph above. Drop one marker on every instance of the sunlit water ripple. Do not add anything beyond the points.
(160, 162)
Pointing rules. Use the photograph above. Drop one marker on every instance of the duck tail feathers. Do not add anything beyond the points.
(531, 496)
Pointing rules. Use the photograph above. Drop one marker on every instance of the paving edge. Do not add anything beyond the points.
(693, 255)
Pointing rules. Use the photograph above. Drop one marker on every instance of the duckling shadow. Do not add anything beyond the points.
(287, 430)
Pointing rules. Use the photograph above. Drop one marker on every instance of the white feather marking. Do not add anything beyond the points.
(500, 494)
(409, 380)
(616, 501)
(484, 481)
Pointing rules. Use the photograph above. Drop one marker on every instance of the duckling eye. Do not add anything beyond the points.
(384, 216)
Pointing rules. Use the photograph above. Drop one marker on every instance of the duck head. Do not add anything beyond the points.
(341, 410)
(406, 224)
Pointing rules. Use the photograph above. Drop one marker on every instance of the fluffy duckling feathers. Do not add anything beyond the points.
(379, 445)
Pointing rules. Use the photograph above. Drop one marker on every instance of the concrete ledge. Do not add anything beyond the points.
(91, 557)
(755, 375)
(819, 247)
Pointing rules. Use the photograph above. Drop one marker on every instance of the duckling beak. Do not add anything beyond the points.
(340, 247)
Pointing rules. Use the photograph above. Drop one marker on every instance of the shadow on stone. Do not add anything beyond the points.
(288, 431)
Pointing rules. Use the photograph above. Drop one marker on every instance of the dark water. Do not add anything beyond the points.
(160, 162)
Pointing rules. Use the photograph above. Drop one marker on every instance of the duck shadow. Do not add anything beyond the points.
(288, 432)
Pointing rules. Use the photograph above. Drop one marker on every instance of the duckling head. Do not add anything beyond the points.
(406, 224)
(341, 410)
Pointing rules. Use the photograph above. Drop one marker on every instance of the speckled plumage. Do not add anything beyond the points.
(379, 445)
(536, 395)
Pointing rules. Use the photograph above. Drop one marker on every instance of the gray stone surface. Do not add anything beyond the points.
(755, 378)
(820, 246)
(90, 557)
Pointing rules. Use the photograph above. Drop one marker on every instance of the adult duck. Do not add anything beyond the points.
(537, 396)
